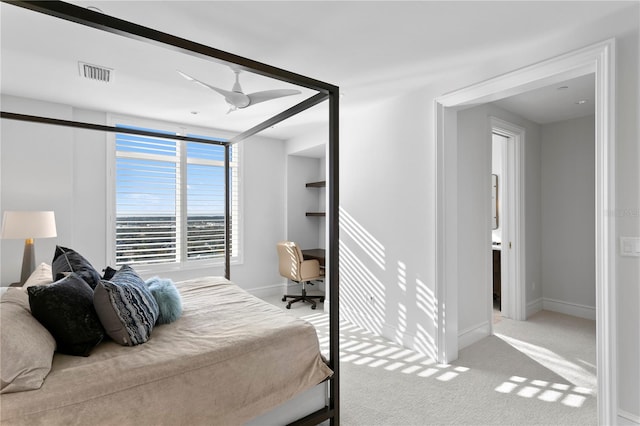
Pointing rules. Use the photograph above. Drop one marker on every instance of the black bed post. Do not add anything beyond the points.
(334, 233)
(227, 210)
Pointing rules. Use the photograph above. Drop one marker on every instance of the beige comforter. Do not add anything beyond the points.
(230, 357)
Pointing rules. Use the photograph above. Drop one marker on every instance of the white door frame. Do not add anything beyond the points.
(599, 59)
(513, 248)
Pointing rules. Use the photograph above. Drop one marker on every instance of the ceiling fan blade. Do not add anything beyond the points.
(236, 99)
(267, 95)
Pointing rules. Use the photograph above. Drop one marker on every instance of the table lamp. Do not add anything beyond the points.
(28, 225)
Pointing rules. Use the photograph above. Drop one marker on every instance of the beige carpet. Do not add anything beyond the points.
(536, 372)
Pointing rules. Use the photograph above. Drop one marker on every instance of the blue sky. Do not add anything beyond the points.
(146, 187)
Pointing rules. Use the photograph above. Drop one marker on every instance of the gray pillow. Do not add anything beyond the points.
(126, 307)
(26, 347)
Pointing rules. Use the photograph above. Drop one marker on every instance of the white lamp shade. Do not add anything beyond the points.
(28, 224)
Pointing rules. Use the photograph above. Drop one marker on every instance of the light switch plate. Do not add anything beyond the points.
(630, 246)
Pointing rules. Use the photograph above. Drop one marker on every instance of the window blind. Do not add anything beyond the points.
(170, 200)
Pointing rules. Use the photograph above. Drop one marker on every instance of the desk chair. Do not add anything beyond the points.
(294, 267)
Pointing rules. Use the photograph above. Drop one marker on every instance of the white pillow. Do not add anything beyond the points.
(26, 347)
(41, 276)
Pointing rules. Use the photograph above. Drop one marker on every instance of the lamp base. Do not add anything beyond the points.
(28, 260)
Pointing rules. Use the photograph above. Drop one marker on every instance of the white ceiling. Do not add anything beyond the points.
(562, 101)
(372, 50)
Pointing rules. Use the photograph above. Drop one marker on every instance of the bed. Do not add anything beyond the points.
(183, 383)
(229, 358)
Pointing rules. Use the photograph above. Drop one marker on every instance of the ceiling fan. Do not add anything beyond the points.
(237, 99)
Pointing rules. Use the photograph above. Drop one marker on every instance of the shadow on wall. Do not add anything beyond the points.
(384, 301)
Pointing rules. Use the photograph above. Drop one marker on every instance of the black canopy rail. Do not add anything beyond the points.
(326, 91)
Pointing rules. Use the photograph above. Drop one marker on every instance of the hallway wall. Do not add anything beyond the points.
(568, 217)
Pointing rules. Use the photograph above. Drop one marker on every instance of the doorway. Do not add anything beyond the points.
(510, 231)
(596, 59)
(498, 221)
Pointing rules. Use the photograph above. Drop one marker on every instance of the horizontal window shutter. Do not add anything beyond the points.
(147, 176)
(156, 188)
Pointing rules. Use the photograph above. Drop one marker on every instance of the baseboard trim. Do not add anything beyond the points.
(627, 418)
(534, 306)
(567, 308)
(267, 290)
(473, 334)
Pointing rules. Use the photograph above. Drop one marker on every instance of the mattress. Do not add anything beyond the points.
(229, 358)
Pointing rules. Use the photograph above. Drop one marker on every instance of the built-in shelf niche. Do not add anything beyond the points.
(319, 184)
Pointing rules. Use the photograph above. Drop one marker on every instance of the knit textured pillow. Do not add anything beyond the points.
(126, 307)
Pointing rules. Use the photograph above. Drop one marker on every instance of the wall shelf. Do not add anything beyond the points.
(320, 184)
(316, 214)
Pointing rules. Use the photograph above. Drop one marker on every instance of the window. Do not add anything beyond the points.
(169, 200)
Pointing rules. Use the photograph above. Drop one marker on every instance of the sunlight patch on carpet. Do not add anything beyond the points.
(571, 396)
(571, 371)
(360, 347)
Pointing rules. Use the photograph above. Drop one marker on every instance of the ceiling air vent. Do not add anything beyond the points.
(95, 72)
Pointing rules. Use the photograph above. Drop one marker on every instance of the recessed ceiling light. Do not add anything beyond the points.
(563, 87)
(194, 112)
(581, 102)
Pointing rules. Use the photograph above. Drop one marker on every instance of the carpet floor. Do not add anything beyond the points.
(536, 372)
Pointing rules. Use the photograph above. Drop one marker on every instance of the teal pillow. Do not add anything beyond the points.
(167, 297)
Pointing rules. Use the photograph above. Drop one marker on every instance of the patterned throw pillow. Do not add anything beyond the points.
(65, 308)
(67, 260)
(126, 307)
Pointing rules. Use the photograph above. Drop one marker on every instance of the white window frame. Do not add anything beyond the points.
(182, 129)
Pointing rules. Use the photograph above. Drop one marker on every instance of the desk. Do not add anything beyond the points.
(316, 253)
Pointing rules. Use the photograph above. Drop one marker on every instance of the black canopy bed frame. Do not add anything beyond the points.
(326, 92)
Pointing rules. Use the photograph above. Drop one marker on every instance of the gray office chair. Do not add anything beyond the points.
(294, 267)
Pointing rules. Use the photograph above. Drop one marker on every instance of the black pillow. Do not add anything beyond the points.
(66, 260)
(108, 273)
(65, 308)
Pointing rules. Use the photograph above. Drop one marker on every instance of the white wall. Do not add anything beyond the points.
(386, 217)
(627, 217)
(568, 216)
(59, 168)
